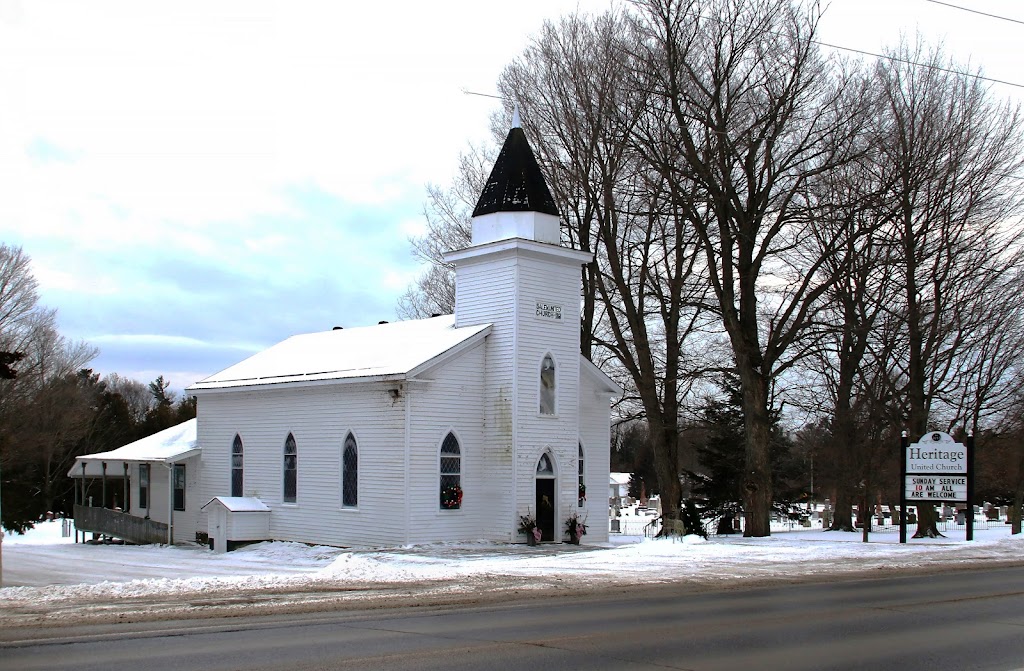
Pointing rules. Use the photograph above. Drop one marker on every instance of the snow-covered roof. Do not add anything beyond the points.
(600, 377)
(167, 446)
(618, 478)
(240, 504)
(384, 351)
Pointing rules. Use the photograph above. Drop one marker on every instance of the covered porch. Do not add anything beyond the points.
(150, 477)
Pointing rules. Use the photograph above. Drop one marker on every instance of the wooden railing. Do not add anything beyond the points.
(119, 525)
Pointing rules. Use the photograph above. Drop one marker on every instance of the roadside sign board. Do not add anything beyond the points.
(936, 469)
(936, 488)
(936, 453)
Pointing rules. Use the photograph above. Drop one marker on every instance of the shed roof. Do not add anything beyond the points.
(619, 478)
(382, 351)
(168, 446)
(240, 504)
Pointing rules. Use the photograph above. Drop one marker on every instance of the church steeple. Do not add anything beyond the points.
(515, 201)
(516, 183)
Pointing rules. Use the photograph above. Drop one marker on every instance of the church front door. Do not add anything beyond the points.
(546, 508)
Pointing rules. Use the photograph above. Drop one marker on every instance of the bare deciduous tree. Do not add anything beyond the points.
(643, 293)
(954, 154)
(758, 115)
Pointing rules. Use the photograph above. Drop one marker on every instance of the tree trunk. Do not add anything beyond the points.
(842, 514)
(757, 476)
(928, 522)
(665, 443)
(843, 445)
(1018, 495)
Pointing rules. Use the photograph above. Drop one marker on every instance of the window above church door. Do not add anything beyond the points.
(547, 386)
(544, 466)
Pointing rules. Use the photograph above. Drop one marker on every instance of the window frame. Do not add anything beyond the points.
(449, 478)
(581, 483)
(179, 475)
(237, 466)
(345, 479)
(144, 481)
(545, 393)
(293, 470)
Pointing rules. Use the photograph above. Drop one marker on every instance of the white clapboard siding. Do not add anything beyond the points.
(319, 418)
(555, 283)
(595, 435)
(185, 521)
(503, 289)
(486, 291)
(451, 402)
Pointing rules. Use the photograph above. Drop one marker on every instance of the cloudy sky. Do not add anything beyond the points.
(195, 181)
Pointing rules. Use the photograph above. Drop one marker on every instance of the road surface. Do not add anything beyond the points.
(972, 619)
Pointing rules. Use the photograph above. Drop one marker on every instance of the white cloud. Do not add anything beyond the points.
(203, 170)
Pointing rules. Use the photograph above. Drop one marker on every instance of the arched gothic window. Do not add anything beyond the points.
(547, 386)
(237, 480)
(349, 473)
(582, 494)
(291, 468)
(451, 473)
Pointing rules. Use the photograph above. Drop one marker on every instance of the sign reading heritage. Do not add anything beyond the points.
(936, 488)
(936, 453)
(936, 469)
(549, 311)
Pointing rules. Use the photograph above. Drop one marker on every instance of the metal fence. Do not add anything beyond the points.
(639, 525)
(649, 526)
(945, 525)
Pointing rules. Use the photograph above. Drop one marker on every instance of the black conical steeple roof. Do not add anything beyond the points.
(516, 183)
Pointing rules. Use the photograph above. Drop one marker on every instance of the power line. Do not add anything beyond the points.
(975, 11)
(920, 65)
(485, 95)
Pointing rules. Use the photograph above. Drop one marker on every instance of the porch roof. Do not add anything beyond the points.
(167, 447)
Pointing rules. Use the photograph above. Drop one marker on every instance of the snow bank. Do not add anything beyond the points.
(43, 567)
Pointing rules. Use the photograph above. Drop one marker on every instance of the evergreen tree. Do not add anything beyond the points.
(718, 481)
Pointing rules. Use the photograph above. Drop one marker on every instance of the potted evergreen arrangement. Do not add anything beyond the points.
(528, 526)
(576, 528)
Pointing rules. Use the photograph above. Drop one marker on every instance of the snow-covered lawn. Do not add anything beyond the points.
(44, 570)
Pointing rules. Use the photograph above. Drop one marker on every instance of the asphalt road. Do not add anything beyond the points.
(957, 620)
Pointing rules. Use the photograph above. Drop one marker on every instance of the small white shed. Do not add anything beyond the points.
(618, 487)
(235, 519)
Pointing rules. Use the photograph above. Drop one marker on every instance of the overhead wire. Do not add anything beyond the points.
(975, 11)
(920, 65)
(936, 67)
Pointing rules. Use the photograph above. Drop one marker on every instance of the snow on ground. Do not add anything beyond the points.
(42, 567)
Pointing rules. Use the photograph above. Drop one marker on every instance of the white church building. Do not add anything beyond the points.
(441, 429)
